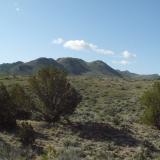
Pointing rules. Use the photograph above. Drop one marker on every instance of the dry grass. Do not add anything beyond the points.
(105, 126)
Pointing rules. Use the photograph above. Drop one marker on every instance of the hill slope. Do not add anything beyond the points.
(28, 68)
(99, 67)
(127, 74)
(77, 66)
(73, 66)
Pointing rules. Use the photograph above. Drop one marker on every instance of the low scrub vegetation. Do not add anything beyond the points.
(151, 99)
(26, 134)
(22, 102)
(7, 112)
(105, 125)
(48, 93)
(52, 89)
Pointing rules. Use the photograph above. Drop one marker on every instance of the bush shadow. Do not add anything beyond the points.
(103, 132)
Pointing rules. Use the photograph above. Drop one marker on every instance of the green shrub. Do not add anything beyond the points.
(22, 102)
(63, 154)
(151, 100)
(58, 97)
(71, 154)
(27, 134)
(142, 153)
(51, 154)
(8, 152)
(7, 113)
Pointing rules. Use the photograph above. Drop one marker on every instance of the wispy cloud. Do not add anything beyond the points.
(58, 41)
(81, 45)
(124, 58)
(128, 55)
(121, 62)
(17, 7)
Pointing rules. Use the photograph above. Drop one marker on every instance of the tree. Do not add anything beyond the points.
(7, 113)
(151, 99)
(22, 102)
(58, 97)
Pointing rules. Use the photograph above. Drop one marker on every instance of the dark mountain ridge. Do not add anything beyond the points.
(128, 74)
(74, 66)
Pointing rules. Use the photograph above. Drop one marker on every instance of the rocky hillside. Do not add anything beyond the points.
(73, 66)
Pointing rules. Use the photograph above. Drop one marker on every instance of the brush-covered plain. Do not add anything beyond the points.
(106, 125)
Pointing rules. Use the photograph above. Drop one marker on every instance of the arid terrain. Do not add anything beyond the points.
(106, 124)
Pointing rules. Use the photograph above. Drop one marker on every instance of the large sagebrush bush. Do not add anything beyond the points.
(58, 97)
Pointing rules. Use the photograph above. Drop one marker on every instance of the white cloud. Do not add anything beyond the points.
(58, 41)
(104, 51)
(81, 45)
(18, 9)
(127, 58)
(77, 45)
(122, 62)
(127, 55)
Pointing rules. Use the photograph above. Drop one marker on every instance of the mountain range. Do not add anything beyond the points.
(73, 66)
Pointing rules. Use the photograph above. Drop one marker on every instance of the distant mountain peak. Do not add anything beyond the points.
(74, 66)
(99, 61)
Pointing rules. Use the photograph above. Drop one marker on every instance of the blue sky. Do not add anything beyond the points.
(123, 33)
